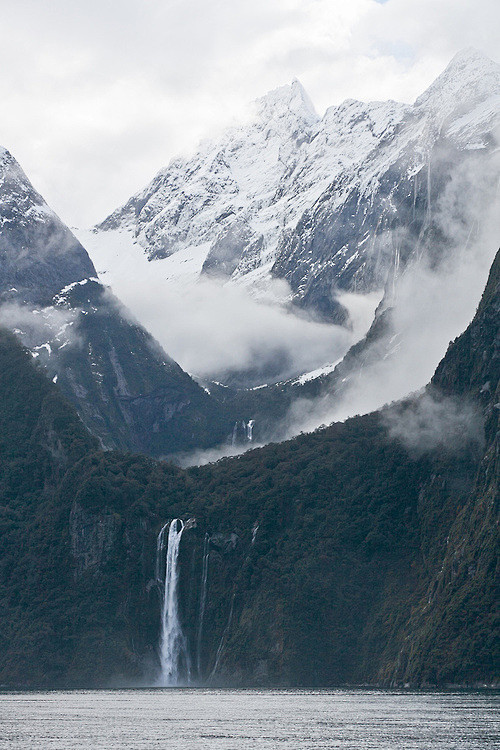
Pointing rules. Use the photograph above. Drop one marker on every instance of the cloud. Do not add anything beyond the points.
(212, 329)
(433, 303)
(211, 455)
(432, 421)
(102, 95)
(47, 329)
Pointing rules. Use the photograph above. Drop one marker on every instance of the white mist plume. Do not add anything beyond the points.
(432, 304)
(432, 421)
(46, 328)
(211, 455)
(211, 328)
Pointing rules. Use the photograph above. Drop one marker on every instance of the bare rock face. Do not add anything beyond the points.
(226, 252)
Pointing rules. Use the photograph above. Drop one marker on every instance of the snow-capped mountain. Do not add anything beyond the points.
(420, 192)
(237, 196)
(337, 202)
(127, 391)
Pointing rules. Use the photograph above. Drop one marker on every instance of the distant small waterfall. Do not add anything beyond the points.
(222, 642)
(173, 647)
(203, 601)
(250, 425)
(242, 432)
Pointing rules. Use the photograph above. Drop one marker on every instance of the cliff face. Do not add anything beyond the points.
(452, 630)
(353, 554)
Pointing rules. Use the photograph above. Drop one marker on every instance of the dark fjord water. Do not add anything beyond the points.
(241, 719)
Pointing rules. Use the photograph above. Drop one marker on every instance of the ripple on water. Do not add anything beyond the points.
(175, 719)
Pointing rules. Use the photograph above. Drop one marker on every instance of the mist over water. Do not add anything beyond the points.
(247, 719)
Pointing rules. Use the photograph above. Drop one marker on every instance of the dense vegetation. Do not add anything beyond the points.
(337, 557)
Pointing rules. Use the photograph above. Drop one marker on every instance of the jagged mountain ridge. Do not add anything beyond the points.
(420, 193)
(338, 202)
(253, 178)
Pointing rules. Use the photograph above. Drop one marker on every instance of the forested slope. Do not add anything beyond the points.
(350, 555)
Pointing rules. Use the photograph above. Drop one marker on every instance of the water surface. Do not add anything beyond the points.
(189, 719)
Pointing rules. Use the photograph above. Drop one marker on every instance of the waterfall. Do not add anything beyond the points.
(250, 430)
(242, 431)
(254, 533)
(203, 600)
(222, 641)
(160, 546)
(173, 647)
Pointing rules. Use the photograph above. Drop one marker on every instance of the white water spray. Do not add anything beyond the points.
(173, 646)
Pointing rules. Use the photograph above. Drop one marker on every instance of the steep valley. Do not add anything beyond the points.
(349, 555)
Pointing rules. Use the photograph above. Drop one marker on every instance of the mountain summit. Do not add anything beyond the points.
(315, 201)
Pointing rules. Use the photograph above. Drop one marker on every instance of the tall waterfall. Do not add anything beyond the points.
(173, 646)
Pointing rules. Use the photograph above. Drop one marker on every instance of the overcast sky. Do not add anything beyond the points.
(97, 95)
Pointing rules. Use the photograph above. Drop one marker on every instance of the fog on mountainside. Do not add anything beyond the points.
(128, 392)
(249, 267)
(272, 275)
(428, 308)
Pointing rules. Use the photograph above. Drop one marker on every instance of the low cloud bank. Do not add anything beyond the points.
(212, 329)
(431, 303)
(39, 328)
(433, 421)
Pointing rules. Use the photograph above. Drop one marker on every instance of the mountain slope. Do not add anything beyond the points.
(39, 255)
(128, 392)
(418, 193)
(365, 552)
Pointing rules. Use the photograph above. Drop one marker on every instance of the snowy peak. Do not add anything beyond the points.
(470, 78)
(348, 118)
(17, 194)
(289, 103)
(308, 197)
(6, 159)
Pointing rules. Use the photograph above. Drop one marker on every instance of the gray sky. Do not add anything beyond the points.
(97, 95)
